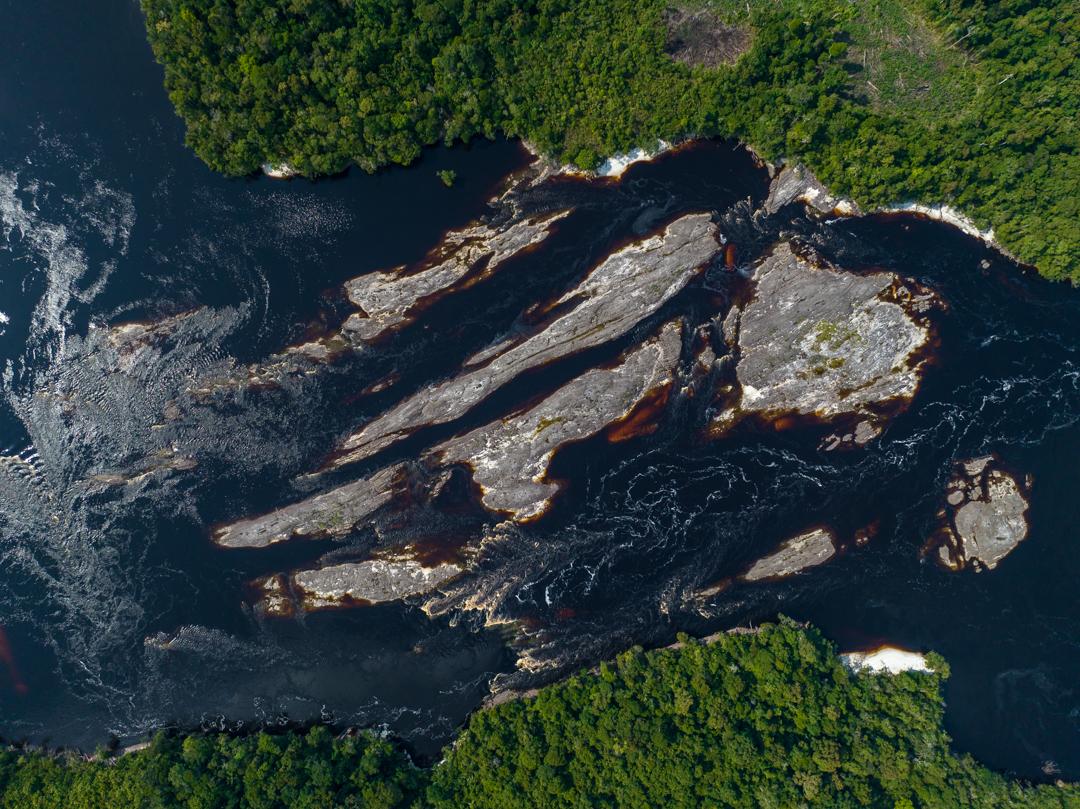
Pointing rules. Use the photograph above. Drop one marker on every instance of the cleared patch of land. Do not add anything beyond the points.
(699, 37)
(902, 63)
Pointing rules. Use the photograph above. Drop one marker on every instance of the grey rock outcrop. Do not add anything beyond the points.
(334, 513)
(985, 516)
(625, 288)
(818, 341)
(509, 458)
(794, 556)
(372, 581)
(796, 183)
(389, 300)
(375, 580)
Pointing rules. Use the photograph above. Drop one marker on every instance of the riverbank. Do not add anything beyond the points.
(770, 714)
(791, 182)
(821, 82)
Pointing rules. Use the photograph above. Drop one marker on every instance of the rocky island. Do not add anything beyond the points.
(621, 291)
(818, 342)
(984, 517)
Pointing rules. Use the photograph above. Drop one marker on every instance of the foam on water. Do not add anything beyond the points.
(57, 247)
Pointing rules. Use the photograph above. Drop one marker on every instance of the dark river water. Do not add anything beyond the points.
(122, 617)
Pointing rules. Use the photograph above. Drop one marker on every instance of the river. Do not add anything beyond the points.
(122, 616)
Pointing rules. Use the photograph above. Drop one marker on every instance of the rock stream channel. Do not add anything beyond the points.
(586, 413)
(183, 355)
(800, 339)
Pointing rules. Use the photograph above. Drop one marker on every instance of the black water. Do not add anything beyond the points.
(120, 615)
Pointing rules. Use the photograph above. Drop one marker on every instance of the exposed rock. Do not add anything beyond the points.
(622, 290)
(612, 167)
(863, 433)
(794, 556)
(796, 183)
(279, 171)
(817, 341)
(388, 300)
(885, 659)
(128, 340)
(984, 518)
(373, 581)
(951, 216)
(509, 458)
(616, 165)
(276, 599)
(334, 513)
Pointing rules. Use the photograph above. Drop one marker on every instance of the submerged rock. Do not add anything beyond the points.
(372, 581)
(335, 513)
(794, 556)
(509, 458)
(625, 288)
(819, 342)
(389, 300)
(161, 462)
(984, 518)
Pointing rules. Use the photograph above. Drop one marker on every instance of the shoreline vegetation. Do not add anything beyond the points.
(747, 718)
(964, 104)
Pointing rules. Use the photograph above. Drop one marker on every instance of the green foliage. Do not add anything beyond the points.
(770, 719)
(969, 103)
(764, 719)
(448, 177)
(262, 771)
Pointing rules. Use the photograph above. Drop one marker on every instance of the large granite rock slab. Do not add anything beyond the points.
(984, 517)
(335, 513)
(793, 556)
(509, 458)
(625, 288)
(389, 300)
(819, 342)
(372, 581)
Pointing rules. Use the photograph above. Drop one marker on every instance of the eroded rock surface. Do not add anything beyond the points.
(392, 299)
(818, 341)
(796, 183)
(372, 581)
(335, 513)
(509, 458)
(984, 518)
(794, 556)
(621, 291)
(388, 300)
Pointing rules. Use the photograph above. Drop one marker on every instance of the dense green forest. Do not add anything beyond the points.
(763, 719)
(971, 103)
